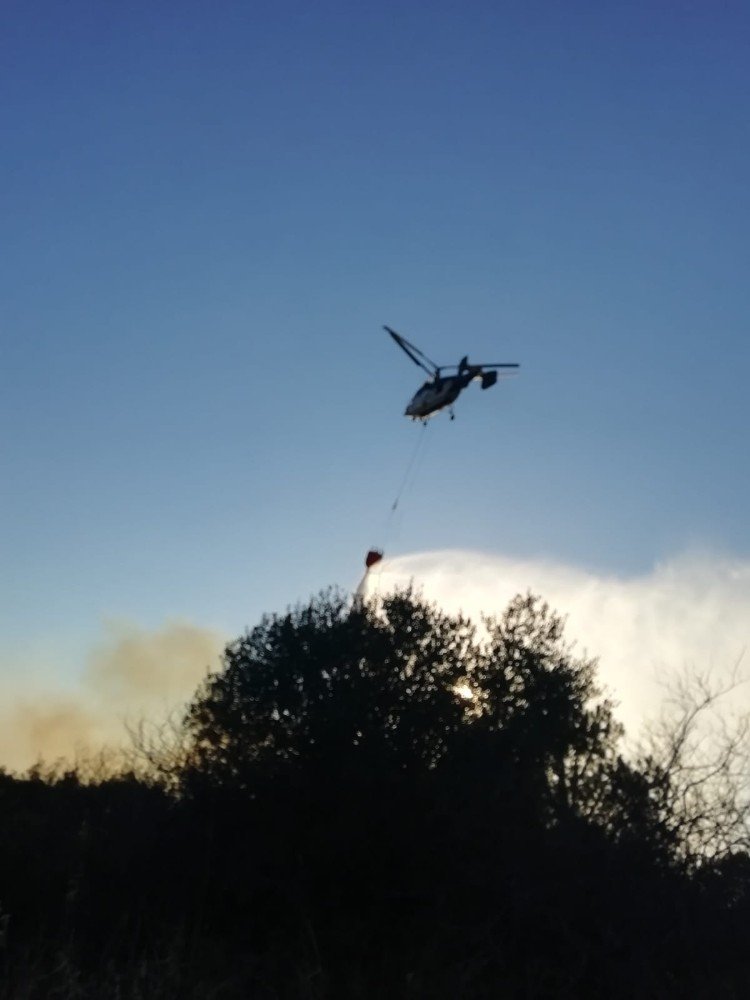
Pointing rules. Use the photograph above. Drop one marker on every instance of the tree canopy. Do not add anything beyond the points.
(400, 687)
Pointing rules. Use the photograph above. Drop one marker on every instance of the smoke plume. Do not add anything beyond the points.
(130, 674)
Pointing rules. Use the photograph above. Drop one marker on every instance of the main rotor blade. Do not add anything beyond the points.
(472, 364)
(417, 356)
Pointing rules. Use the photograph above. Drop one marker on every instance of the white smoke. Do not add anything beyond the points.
(689, 613)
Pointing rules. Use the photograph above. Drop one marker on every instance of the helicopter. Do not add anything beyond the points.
(443, 390)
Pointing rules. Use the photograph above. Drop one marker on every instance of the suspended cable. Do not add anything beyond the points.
(410, 466)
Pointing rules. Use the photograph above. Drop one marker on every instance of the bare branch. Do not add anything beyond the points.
(697, 756)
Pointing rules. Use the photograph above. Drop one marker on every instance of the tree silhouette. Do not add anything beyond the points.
(400, 771)
(335, 686)
(403, 687)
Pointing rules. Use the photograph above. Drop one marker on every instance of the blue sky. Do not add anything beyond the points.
(210, 210)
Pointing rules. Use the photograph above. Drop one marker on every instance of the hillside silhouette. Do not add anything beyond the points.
(378, 801)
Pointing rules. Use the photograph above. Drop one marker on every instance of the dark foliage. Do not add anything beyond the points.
(366, 803)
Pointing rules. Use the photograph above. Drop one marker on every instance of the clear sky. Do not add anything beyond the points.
(208, 212)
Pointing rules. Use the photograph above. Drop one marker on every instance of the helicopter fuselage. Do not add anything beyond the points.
(435, 395)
